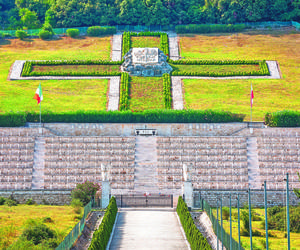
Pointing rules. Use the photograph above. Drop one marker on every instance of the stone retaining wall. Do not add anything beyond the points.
(274, 197)
(52, 197)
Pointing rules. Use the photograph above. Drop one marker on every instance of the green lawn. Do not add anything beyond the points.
(278, 242)
(270, 95)
(59, 95)
(13, 220)
(145, 41)
(146, 93)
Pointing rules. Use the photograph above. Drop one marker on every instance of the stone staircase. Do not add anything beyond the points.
(253, 165)
(38, 164)
(145, 180)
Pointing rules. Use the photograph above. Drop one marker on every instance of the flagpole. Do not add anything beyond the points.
(251, 102)
(40, 113)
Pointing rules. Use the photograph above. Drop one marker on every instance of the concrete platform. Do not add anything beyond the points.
(139, 228)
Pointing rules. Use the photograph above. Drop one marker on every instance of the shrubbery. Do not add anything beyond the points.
(285, 118)
(38, 233)
(101, 31)
(193, 235)
(126, 44)
(124, 92)
(73, 33)
(167, 91)
(102, 234)
(47, 32)
(21, 34)
(151, 116)
(84, 192)
(209, 28)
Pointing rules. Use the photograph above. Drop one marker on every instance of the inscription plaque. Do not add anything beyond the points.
(144, 55)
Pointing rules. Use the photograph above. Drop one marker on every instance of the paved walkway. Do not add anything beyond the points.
(252, 159)
(114, 93)
(38, 164)
(177, 95)
(117, 47)
(173, 46)
(148, 229)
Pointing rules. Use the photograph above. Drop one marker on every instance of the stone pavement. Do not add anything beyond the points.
(114, 93)
(140, 229)
(177, 95)
(117, 47)
(173, 46)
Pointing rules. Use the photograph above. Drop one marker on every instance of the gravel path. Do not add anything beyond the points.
(177, 95)
(117, 47)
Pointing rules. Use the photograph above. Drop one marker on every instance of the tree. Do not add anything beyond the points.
(85, 191)
(159, 14)
(29, 19)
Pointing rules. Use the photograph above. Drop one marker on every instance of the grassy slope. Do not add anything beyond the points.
(233, 95)
(70, 94)
(13, 220)
(146, 93)
(280, 242)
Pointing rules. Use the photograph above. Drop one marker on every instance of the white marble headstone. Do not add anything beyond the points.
(144, 55)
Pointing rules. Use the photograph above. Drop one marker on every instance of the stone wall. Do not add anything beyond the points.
(128, 129)
(51, 197)
(274, 197)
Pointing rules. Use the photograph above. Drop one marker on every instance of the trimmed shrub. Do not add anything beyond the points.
(30, 202)
(152, 116)
(195, 238)
(124, 92)
(45, 35)
(73, 33)
(285, 118)
(102, 234)
(21, 34)
(101, 31)
(2, 200)
(167, 91)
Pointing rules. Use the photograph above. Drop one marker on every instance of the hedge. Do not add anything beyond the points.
(101, 31)
(195, 238)
(264, 70)
(164, 42)
(209, 28)
(27, 68)
(167, 91)
(73, 33)
(124, 92)
(102, 234)
(147, 116)
(285, 118)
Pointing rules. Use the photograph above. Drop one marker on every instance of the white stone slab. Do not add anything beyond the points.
(114, 94)
(177, 95)
(117, 47)
(144, 55)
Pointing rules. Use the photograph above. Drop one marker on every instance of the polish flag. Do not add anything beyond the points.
(38, 94)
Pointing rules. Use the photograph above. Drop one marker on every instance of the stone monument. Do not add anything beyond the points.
(146, 62)
(187, 189)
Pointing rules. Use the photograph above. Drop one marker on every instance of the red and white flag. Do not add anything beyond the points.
(38, 94)
(251, 96)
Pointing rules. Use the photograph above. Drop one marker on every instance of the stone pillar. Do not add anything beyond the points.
(188, 193)
(105, 193)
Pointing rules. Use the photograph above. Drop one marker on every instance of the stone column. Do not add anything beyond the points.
(188, 193)
(105, 193)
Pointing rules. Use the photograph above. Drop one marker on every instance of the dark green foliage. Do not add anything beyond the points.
(47, 32)
(124, 92)
(30, 202)
(101, 31)
(167, 91)
(164, 44)
(285, 118)
(38, 233)
(73, 33)
(27, 68)
(277, 218)
(85, 191)
(225, 213)
(246, 223)
(264, 70)
(126, 45)
(193, 235)
(102, 234)
(297, 190)
(152, 116)
(209, 28)
(21, 34)
(2, 200)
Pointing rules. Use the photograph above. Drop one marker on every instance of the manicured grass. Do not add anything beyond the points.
(77, 68)
(13, 220)
(270, 95)
(146, 93)
(214, 68)
(145, 41)
(59, 95)
(278, 242)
